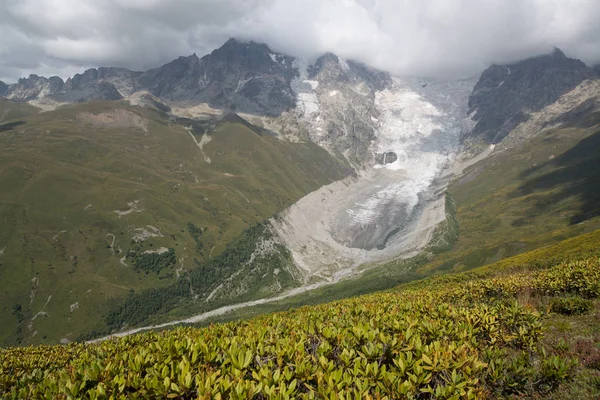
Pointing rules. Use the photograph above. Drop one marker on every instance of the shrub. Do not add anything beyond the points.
(570, 305)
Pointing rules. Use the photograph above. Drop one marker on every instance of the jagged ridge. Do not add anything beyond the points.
(505, 94)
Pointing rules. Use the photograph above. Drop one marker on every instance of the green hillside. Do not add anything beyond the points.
(103, 199)
(11, 111)
(541, 192)
(503, 331)
(538, 193)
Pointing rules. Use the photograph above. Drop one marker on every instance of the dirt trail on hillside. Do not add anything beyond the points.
(215, 313)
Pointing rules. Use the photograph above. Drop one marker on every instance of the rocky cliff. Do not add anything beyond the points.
(331, 102)
(336, 105)
(3, 89)
(121, 79)
(243, 77)
(506, 94)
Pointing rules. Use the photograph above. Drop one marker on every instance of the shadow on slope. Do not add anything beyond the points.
(10, 125)
(574, 173)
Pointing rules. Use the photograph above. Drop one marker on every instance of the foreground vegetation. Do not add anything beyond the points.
(470, 335)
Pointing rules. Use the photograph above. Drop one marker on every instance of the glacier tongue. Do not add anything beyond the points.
(389, 209)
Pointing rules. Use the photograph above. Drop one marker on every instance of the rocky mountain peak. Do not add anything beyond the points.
(235, 49)
(378, 80)
(336, 104)
(34, 87)
(250, 57)
(3, 88)
(239, 76)
(505, 94)
(181, 66)
(122, 79)
(329, 68)
(176, 80)
(93, 84)
(87, 77)
(558, 53)
(34, 80)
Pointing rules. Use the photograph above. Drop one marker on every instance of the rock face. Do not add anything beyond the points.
(34, 87)
(94, 91)
(3, 89)
(336, 106)
(93, 84)
(386, 158)
(121, 79)
(505, 94)
(333, 102)
(241, 77)
(55, 89)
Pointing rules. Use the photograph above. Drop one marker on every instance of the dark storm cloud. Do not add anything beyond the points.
(408, 37)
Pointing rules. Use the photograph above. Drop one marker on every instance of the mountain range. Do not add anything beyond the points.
(138, 197)
(250, 78)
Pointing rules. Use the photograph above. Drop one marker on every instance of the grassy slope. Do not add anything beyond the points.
(492, 332)
(540, 193)
(11, 111)
(62, 179)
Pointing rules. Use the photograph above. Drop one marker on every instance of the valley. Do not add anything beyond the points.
(319, 200)
(248, 180)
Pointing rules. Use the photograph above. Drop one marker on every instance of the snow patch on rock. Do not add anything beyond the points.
(344, 65)
(204, 140)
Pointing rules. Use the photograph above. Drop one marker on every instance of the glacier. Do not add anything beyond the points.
(387, 210)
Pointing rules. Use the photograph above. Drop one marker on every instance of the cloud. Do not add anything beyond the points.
(406, 37)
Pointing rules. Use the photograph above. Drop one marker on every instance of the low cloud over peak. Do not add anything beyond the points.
(443, 38)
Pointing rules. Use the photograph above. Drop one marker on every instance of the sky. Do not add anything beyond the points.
(425, 38)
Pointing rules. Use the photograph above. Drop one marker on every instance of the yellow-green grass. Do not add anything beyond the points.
(583, 246)
(479, 334)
